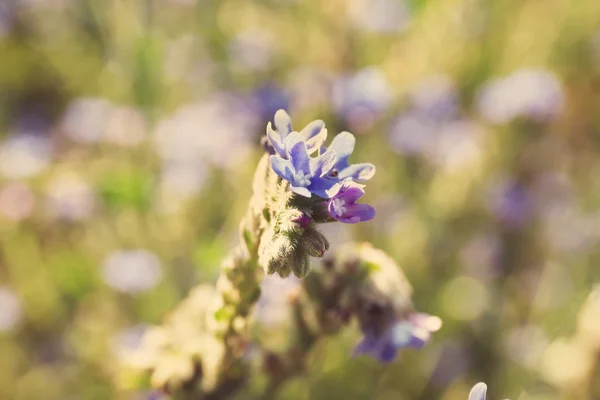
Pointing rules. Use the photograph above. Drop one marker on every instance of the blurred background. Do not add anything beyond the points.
(129, 130)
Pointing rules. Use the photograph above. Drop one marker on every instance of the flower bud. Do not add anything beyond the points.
(299, 263)
(314, 243)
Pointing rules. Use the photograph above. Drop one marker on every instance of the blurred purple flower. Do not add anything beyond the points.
(412, 134)
(360, 98)
(343, 207)
(458, 144)
(343, 147)
(310, 88)
(531, 93)
(204, 131)
(513, 205)
(413, 331)
(435, 98)
(306, 175)
(132, 271)
(269, 98)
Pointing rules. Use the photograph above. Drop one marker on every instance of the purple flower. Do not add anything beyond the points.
(343, 207)
(478, 392)
(531, 93)
(306, 175)
(313, 135)
(413, 331)
(343, 146)
(362, 97)
(269, 98)
(513, 205)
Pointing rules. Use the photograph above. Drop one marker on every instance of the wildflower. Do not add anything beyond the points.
(343, 146)
(435, 98)
(306, 175)
(513, 205)
(313, 135)
(413, 331)
(343, 207)
(270, 97)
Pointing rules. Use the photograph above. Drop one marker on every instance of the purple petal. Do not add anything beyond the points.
(275, 140)
(322, 187)
(355, 213)
(316, 141)
(299, 158)
(312, 129)
(478, 392)
(368, 345)
(321, 165)
(283, 123)
(351, 194)
(387, 353)
(283, 168)
(358, 172)
(343, 144)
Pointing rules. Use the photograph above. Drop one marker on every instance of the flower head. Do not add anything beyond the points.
(413, 331)
(343, 207)
(313, 135)
(306, 175)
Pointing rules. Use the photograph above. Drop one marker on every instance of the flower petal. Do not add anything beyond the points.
(299, 158)
(321, 165)
(368, 345)
(312, 129)
(387, 353)
(478, 392)
(358, 172)
(283, 168)
(276, 141)
(352, 193)
(283, 123)
(302, 191)
(322, 187)
(314, 134)
(343, 144)
(357, 213)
